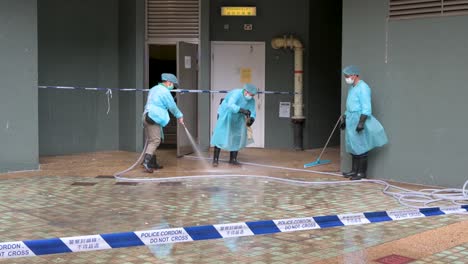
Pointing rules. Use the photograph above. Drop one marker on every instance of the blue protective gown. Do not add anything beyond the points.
(373, 135)
(230, 132)
(159, 101)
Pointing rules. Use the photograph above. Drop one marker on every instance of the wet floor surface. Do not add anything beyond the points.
(72, 196)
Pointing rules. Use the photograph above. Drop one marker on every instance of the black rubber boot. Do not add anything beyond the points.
(233, 158)
(147, 163)
(354, 169)
(362, 168)
(216, 156)
(154, 163)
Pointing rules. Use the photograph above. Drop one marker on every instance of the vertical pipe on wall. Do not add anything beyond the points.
(298, 117)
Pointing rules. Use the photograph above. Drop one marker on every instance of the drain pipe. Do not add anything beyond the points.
(298, 119)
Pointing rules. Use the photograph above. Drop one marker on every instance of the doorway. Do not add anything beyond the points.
(180, 59)
(163, 59)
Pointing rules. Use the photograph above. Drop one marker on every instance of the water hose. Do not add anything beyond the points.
(406, 197)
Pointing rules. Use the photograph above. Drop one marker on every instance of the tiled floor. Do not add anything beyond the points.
(455, 255)
(47, 204)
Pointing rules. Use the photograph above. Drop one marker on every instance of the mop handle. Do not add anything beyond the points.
(328, 141)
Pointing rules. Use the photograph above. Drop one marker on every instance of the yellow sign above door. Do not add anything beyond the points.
(238, 11)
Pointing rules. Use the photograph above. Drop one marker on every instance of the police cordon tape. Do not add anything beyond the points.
(147, 90)
(30, 248)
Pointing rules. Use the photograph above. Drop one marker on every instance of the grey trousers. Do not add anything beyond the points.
(153, 135)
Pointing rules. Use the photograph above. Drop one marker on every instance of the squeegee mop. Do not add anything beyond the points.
(319, 162)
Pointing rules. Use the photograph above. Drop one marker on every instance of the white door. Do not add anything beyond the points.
(233, 64)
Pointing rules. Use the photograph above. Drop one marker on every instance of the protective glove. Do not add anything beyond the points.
(360, 126)
(245, 112)
(343, 122)
(250, 121)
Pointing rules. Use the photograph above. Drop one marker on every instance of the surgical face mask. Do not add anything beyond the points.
(349, 80)
(248, 97)
(170, 87)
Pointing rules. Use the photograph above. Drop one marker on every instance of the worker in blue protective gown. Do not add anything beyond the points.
(363, 132)
(235, 114)
(156, 116)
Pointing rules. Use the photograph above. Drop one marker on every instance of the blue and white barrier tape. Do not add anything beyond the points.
(30, 248)
(146, 90)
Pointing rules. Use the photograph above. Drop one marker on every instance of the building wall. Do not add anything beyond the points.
(18, 85)
(204, 76)
(318, 26)
(131, 73)
(78, 46)
(417, 71)
(323, 99)
(271, 21)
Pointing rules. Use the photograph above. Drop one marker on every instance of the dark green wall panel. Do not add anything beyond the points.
(417, 71)
(18, 85)
(78, 46)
